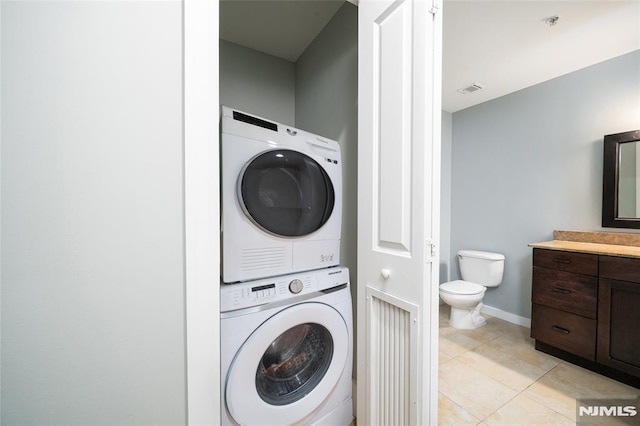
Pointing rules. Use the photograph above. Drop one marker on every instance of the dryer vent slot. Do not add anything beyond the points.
(255, 121)
(263, 258)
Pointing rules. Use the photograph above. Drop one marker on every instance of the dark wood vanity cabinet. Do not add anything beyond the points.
(586, 309)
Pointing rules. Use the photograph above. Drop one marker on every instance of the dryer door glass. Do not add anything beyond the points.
(286, 193)
(294, 364)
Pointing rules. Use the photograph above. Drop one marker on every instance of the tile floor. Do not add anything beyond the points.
(494, 376)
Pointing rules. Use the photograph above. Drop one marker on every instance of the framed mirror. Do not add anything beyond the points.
(621, 180)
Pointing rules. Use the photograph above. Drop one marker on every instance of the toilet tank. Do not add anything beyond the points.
(481, 267)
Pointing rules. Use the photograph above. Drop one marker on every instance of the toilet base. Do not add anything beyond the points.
(467, 319)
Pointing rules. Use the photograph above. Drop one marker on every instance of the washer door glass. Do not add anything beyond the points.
(286, 193)
(294, 364)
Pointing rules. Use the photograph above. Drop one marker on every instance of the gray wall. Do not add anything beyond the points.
(93, 328)
(531, 162)
(257, 83)
(327, 104)
(445, 197)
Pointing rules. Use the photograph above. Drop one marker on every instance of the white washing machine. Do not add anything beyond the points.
(287, 350)
(281, 198)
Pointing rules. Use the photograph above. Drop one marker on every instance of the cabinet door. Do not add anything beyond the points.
(618, 331)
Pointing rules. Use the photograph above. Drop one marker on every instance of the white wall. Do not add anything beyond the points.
(257, 83)
(531, 162)
(93, 328)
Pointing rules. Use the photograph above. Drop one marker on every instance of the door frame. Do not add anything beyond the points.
(202, 212)
(201, 209)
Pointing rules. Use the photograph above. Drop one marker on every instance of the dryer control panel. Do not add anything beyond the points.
(269, 290)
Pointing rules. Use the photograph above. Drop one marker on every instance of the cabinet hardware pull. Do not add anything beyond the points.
(561, 290)
(560, 329)
(565, 261)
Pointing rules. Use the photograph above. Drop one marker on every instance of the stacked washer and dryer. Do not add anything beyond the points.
(286, 321)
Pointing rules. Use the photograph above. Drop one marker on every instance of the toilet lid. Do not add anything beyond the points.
(462, 287)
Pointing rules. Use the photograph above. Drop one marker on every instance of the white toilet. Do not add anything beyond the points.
(479, 269)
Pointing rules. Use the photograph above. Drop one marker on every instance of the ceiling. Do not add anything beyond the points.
(279, 28)
(506, 46)
(503, 46)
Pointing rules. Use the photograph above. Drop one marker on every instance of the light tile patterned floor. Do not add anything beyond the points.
(494, 376)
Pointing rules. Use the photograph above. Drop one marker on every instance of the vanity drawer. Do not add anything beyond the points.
(620, 268)
(567, 291)
(581, 263)
(569, 332)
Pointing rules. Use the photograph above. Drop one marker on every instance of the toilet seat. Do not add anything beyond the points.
(461, 287)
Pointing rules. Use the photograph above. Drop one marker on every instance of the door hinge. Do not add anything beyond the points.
(430, 250)
(435, 7)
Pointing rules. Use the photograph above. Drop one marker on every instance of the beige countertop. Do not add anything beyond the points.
(594, 248)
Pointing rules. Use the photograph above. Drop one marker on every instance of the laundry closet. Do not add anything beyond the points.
(316, 92)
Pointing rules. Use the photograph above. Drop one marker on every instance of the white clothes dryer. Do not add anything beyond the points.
(287, 350)
(281, 192)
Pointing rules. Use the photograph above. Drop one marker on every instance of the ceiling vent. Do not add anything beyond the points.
(470, 89)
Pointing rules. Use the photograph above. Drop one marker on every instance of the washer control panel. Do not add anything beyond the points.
(268, 290)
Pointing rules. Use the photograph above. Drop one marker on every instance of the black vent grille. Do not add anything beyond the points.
(255, 121)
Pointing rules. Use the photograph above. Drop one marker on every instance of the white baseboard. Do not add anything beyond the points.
(507, 316)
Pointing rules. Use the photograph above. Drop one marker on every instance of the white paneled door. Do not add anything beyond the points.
(399, 45)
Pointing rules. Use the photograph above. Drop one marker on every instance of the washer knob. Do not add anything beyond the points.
(295, 286)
